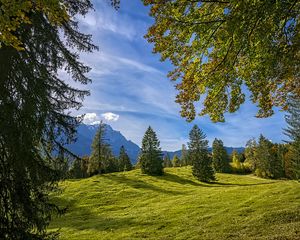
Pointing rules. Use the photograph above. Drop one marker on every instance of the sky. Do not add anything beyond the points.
(130, 89)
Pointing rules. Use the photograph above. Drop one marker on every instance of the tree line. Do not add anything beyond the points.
(263, 158)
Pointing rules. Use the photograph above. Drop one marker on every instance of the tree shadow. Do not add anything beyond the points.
(139, 184)
(177, 179)
(80, 217)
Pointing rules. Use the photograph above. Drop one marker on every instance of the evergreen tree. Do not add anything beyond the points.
(34, 106)
(184, 156)
(100, 159)
(79, 168)
(293, 132)
(124, 160)
(220, 157)
(198, 152)
(150, 159)
(250, 154)
(167, 161)
(176, 161)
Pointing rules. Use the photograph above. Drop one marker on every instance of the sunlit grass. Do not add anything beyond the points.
(131, 205)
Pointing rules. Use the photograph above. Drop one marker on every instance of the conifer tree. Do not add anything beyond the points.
(198, 152)
(100, 159)
(124, 160)
(167, 161)
(34, 106)
(184, 156)
(151, 156)
(293, 132)
(220, 157)
(176, 161)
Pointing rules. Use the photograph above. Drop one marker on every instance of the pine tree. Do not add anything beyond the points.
(176, 161)
(167, 161)
(184, 156)
(198, 152)
(220, 157)
(151, 155)
(100, 159)
(293, 132)
(124, 160)
(34, 106)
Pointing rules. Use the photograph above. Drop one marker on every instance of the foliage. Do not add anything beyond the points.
(151, 156)
(131, 205)
(217, 47)
(124, 163)
(167, 161)
(79, 168)
(198, 153)
(34, 106)
(184, 156)
(220, 157)
(293, 132)
(15, 13)
(176, 162)
(237, 166)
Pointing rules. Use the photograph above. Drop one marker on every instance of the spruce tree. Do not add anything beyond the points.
(34, 106)
(176, 161)
(184, 156)
(151, 156)
(100, 159)
(220, 157)
(124, 160)
(293, 132)
(198, 152)
(167, 161)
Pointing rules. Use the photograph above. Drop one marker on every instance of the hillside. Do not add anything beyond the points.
(131, 205)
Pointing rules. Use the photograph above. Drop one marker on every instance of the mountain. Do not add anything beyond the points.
(85, 136)
(86, 133)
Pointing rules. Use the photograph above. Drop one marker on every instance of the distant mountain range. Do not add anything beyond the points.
(86, 133)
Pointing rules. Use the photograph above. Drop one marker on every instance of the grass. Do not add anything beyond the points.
(131, 205)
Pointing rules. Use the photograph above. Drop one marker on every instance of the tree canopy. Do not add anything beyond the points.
(220, 48)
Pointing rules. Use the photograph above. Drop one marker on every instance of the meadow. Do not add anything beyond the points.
(131, 205)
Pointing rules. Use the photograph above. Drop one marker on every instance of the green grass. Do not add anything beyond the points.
(132, 205)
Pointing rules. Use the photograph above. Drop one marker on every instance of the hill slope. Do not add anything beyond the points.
(131, 205)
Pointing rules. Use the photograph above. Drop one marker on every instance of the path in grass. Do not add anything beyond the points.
(131, 205)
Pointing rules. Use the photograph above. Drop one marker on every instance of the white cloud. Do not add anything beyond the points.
(90, 119)
(109, 116)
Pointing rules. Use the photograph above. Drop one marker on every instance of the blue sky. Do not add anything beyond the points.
(130, 90)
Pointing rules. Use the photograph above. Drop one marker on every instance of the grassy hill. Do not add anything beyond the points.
(131, 205)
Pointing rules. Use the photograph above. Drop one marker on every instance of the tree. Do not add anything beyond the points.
(34, 106)
(184, 156)
(167, 161)
(100, 159)
(293, 132)
(198, 152)
(219, 156)
(151, 156)
(176, 161)
(79, 168)
(124, 160)
(216, 47)
(250, 153)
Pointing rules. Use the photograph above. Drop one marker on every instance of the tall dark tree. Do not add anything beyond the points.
(198, 153)
(34, 106)
(220, 157)
(293, 132)
(124, 162)
(151, 156)
(100, 159)
(167, 161)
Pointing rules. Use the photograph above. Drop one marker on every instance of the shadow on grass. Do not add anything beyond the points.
(80, 217)
(139, 184)
(177, 179)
